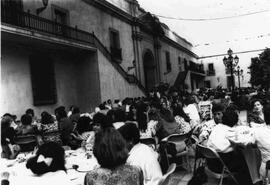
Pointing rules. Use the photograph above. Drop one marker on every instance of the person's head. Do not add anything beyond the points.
(60, 112)
(130, 133)
(230, 118)
(257, 105)
(50, 157)
(30, 112)
(13, 117)
(217, 111)
(83, 124)
(5, 123)
(75, 110)
(46, 118)
(167, 115)
(120, 115)
(110, 148)
(26, 119)
(100, 121)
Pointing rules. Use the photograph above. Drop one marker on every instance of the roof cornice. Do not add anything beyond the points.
(111, 9)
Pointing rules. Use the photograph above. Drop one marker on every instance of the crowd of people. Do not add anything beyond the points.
(113, 132)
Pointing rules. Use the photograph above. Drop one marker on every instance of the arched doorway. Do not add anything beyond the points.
(149, 69)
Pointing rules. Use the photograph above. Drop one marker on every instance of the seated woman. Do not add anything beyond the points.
(26, 127)
(234, 159)
(256, 116)
(166, 124)
(260, 137)
(111, 152)
(49, 129)
(48, 165)
(83, 130)
(182, 119)
(9, 149)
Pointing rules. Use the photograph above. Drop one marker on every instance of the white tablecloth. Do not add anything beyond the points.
(19, 174)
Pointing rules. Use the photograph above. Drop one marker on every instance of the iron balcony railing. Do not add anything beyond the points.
(33, 22)
(196, 67)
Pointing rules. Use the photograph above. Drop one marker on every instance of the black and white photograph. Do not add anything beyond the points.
(135, 92)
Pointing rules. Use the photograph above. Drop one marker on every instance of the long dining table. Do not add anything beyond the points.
(78, 163)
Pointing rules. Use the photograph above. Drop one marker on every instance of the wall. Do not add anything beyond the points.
(112, 84)
(174, 54)
(88, 18)
(72, 86)
(244, 63)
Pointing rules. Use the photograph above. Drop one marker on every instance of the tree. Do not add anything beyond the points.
(260, 70)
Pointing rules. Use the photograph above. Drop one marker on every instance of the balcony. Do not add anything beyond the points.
(116, 53)
(197, 68)
(35, 23)
(211, 72)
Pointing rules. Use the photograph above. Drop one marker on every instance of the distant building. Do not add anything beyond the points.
(83, 52)
(218, 75)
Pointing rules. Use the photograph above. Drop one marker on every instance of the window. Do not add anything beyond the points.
(168, 62)
(60, 16)
(211, 67)
(179, 64)
(114, 38)
(116, 50)
(185, 64)
(43, 80)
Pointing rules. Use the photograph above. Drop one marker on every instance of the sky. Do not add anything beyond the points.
(210, 37)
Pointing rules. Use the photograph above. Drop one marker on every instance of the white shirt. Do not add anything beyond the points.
(192, 111)
(145, 157)
(218, 139)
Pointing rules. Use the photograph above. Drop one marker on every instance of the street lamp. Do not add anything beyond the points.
(238, 72)
(230, 63)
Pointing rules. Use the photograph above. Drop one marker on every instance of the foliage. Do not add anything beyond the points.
(260, 70)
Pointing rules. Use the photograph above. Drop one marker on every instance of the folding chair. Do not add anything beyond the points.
(27, 143)
(267, 168)
(150, 141)
(181, 150)
(210, 153)
(166, 176)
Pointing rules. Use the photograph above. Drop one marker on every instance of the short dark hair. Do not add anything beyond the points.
(230, 117)
(26, 119)
(218, 107)
(83, 124)
(50, 149)
(30, 111)
(130, 133)
(253, 101)
(102, 119)
(110, 148)
(46, 118)
(60, 112)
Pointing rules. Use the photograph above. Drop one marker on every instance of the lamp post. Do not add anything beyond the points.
(230, 63)
(238, 72)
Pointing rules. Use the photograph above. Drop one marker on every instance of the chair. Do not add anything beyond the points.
(27, 143)
(165, 177)
(267, 168)
(150, 141)
(180, 148)
(210, 153)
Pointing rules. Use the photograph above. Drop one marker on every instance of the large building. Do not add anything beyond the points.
(83, 52)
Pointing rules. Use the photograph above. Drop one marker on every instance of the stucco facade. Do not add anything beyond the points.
(77, 35)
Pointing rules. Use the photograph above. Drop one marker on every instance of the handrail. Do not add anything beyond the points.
(33, 22)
